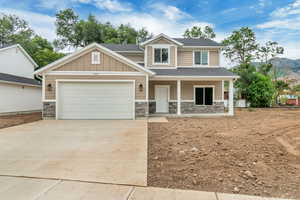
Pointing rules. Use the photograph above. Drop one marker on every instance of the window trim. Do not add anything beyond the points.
(203, 86)
(200, 65)
(161, 47)
(95, 53)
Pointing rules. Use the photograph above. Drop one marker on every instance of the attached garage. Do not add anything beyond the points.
(95, 99)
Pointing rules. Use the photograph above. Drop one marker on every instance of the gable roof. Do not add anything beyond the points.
(161, 35)
(18, 79)
(74, 55)
(5, 47)
(123, 47)
(198, 42)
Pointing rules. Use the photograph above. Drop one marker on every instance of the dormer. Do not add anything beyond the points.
(161, 52)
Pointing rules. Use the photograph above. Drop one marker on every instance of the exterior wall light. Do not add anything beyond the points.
(141, 88)
(49, 87)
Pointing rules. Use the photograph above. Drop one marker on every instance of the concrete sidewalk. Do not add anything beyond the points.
(15, 188)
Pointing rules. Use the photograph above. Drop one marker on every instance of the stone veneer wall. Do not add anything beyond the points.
(191, 108)
(141, 109)
(172, 107)
(49, 110)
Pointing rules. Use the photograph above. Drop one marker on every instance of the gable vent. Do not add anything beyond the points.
(95, 57)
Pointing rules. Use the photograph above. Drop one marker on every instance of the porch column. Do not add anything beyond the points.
(178, 97)
(230, 99)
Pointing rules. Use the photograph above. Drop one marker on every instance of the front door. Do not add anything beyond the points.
(162, 99)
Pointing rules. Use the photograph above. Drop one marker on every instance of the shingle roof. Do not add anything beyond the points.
(197, 42)
(194, 71)
(18, 79)
(122, 47)
(6, 45)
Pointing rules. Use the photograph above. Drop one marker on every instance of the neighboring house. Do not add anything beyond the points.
(161, 76)
(19, 91)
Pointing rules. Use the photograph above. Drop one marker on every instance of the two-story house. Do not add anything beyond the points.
(161, 76)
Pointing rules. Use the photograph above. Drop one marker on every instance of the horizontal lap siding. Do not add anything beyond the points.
(51, 79)
(173, 89)
(185, 57)
(83, 63)
(187, 89)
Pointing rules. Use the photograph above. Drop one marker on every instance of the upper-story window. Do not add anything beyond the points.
(161, 55)
(200, 57)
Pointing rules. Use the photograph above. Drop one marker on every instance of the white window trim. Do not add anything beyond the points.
(203, 86)
(93, 55)
(160, 47)
(197, 65)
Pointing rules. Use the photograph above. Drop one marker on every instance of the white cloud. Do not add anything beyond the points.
(171, 12)
(291, 9)
(112, 5)
(40, 23)
(54, 4)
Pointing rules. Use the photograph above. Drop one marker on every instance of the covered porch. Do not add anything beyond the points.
(189, 96)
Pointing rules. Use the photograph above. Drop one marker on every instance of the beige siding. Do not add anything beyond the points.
(136, 57)
(83, 63)
(50, 79)
(185, 57)
(172, 55)
(187, 89)
(173, 89)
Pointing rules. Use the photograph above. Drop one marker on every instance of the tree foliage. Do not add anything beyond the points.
(14, 30)
(197, 32)
(75, 32)
(241, 46)
(261, 91)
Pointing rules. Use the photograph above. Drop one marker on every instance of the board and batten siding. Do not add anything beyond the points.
(185, 57)
(51, 79)
(83, 63)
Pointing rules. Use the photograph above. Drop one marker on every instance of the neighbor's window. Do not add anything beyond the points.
(201, 57)
(204, 95)
(161, 55)
(95, 57)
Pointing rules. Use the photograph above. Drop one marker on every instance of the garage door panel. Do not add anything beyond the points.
(96, 100)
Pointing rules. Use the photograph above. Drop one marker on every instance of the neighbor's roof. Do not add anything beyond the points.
(197, 42)
(123, 47)
(6, 45)
(18, 79)
(195, 72)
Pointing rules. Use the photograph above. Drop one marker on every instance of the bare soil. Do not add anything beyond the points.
(13, 120)
(254, 152)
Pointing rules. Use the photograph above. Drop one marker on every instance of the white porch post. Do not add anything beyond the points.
(178, 97)
(230, 99)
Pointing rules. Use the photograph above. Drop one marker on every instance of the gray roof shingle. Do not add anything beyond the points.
(18, 79)
(123, 47)
(194, 71)
(197, 42)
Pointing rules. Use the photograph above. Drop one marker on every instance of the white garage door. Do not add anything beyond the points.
(95, 100)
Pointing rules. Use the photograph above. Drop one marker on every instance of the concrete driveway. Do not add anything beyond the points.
(108, 151)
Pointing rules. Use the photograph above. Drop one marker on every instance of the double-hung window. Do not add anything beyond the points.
(200, 57)
(161, 55)
(204, 95)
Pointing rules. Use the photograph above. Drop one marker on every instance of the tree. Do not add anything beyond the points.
(46, 56)
(196, 32)
(78, 33)
(143, 35)
(268, 51)
(13, 30)
(280, 86)
(261, 91)
(241, 46)
(296, 88)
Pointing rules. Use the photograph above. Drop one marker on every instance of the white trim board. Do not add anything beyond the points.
(119, 73)
(78, 53)
(161, 35)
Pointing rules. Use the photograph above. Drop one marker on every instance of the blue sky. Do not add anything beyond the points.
(277, 20)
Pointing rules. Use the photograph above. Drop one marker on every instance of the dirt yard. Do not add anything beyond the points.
(254, 152)
(13, 120)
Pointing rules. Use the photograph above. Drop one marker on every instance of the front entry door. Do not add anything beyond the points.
(162, 99)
